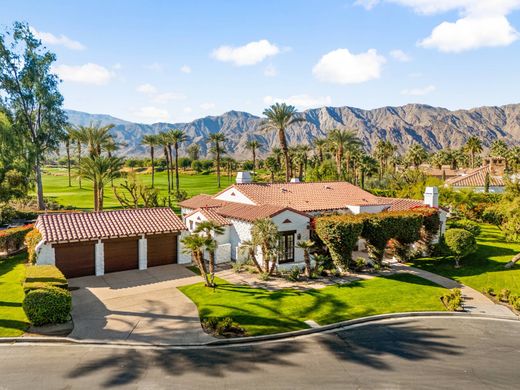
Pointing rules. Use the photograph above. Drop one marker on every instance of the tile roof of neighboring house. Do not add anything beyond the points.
(251, 212)
(308, 196)
(104, 224)
(201, 201)
(476, 178)
(211, 214)
(401, 204)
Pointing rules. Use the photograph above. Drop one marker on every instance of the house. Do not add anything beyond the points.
(492, 172)
(290, 206)
(95, 243)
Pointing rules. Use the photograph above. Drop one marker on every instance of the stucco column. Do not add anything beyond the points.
(100, 258)
(143, 253)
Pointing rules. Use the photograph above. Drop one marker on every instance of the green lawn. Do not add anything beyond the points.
(13, 321)
(485, 268)
(263, 312)
(55, 186)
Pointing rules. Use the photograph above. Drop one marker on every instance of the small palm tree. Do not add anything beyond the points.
(217, 141)
(416, 155)
(193, 152)
(195, 244)
(280, 117)
(253, 146)
(100, 170)
(210, 230)
(272, 164)
(249, 247)
(152, 140)
(306, 246)
(265, 233)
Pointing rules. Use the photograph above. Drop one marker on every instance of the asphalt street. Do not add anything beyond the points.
(414, 353)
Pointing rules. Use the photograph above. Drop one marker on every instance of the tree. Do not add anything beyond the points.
(164, 141)
(134, 194)
(280, 117)
(461, 243)
(217, 140)
(320, 144)
(272, 164)
(253, 146)
(195, 244)
(366, 165)
(249, 247)
(78, 137)
(306, 246)
(382, 152)
(31, 95)
(473, 148)
(416, 155)
(343, 142)
(499, 148)
(265, 233)
(67, 138)
(100, 170)
(177, 137)
(210, 230)
(194, 152)
(151, 140)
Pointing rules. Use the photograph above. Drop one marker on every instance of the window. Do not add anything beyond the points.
(191, 224)
(286, 247)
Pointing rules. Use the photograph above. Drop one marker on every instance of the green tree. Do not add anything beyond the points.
(210, 230)
(31, 95)
(306, 246)
(177, 137)
(473, 147)
(77, 137)
(272, 164)
(253, 146)
(416, 155)
(320, 145)
(382, 152)
(195, 244)
(217, 148)
(461, 243)
(67, 139)
(499, 148)
(165, 142)
(343, 142)
(280, 117)
(152, 141)
(100, 170)
(194, 152)
(265, 233)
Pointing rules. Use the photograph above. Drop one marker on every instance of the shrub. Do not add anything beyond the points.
(37, 276)
(512, 299)
(12, 239)
(293, 274)
(264, 276)
(467, 224)
(489, 291)
(461, 243)
(452, 299)
(223, 327)
(516, 305)
(50, 305)
(503, 295)
(360, 263)
(31, 240)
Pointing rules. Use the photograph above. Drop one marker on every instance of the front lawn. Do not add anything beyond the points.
(261, 311)
(13, 321)
(483, 269)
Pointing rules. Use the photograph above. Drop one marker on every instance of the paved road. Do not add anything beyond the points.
(418, 353)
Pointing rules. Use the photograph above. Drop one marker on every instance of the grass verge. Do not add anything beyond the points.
(13, 321)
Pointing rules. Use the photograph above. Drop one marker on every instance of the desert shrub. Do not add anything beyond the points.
(41, 276)
(461, 243)
(293, 274)
(13, 239)
(50, 305)
(264, 276)
(223, 327)
(452, 299)
(504, 294)
(467, 224)
(489, 291)
(512, 299)
(360, 263)
(31, 240)
(238, 266)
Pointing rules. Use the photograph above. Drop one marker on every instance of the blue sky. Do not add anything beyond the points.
(150, 61)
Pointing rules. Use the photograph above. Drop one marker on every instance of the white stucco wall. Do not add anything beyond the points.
(143, 253)
(234, 195)
(367, 209)
(182, 258)
(100, 258)
(299, 223)
(45, 254)
(239, 231)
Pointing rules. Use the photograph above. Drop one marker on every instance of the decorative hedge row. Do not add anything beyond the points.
(13, 239)
(41, 276)
(31, 240)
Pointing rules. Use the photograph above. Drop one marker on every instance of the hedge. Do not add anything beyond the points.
(49, 305)
(31, 240)
(13, 239)
(42, 276)
(467, 224)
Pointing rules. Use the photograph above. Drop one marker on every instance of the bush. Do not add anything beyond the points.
(223, 327)
(489, 291)
(50, 305)
(13, 239)
(461, 243)
(452, 299)
(360, 263)
(513, 298)
(467, 224)
(293, 274)
(31, 240)
(41, 276)
(503, 295)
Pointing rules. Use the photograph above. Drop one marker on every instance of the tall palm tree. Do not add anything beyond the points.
(343, 142)
(100, 170)
(277, 153)
(164, 141)
(177, 137)
(320, 144)
(195, 244)
(416, 155)
(265, 233)
(78, 137)
(272, 164)
(306, 246)
(383, 151)
(279, 117)
(194, 152)
(473, 147)
(151, 140)
(210, 230)
(366, 165)
(68, 138)
(217, 141)
(253, 146)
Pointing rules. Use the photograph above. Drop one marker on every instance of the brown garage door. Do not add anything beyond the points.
(121, 254)
(76, 259)
(162, 249)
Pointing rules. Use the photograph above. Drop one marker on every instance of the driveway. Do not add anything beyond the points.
(137, 306)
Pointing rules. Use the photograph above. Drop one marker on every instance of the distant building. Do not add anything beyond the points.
(493, 171)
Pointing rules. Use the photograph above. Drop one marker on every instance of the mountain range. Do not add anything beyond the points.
(433, 127)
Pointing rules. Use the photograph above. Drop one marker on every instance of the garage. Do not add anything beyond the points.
(75, 259)
(121, 254)
(162, 249)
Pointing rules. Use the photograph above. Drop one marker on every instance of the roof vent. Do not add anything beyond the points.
(284, 189)
(295, 180)
(327, 187)
(243, 178)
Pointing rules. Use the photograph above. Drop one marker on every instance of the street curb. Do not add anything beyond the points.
(253, 339)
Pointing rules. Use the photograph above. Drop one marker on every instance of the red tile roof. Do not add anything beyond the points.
(251, 213)
(401, 204)
(211, 214)
(201, 201)
(477, 178)
(107, 224)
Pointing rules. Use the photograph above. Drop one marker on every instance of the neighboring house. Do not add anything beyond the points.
(95, 243)
(492, 171)
(290, 206)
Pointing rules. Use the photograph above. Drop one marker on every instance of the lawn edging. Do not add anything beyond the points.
(255, 339)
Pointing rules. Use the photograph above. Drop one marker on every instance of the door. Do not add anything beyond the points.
(162, 249)
(286, 247)
(121, 254)
(76, 259)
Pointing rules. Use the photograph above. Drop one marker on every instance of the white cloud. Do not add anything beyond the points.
(185, 69)
(400, 56)
(86, 74)
(419, 91)
(367, 4)
(301, 101)
(270, 71)
(146, 88)
(152, 114)
(249, 54)
(207, 105)
(62, 40)
(165, 97)
(342, 67)
(471, 33)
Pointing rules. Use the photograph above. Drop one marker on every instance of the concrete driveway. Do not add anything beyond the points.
(137, 306)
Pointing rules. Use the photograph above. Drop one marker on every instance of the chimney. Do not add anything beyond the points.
(295, 180)
(431, 197)
(243, 178)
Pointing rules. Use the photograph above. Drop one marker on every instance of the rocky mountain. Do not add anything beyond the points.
(433, 127)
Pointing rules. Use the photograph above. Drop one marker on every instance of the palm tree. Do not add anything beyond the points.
(279, 117)
(383, 151)
(277, 153)
(265, 233)
(300, 156)
(217, 140)
(473, 147)
(498, 148)
(177, 137)
(151, 140)
(195, 244)
(320, 144)
(210, 230)
(100, 170)
(68, 137)
(306, 246)
(79, 138)
(343, 142)
(193, 152)
(253, 146)
(249, 247)
(271, 163)
(366, 165)
(416, 155)
(164, 141)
